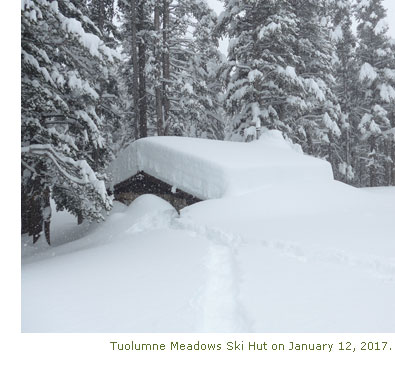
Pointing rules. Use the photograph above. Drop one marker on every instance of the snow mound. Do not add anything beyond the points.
(147, 212)
(148, 204)
(210, 169)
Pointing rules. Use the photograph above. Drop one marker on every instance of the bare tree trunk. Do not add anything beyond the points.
(372, 168)
(387, 166)
(35, 205)
(331, 156)
(158, 91)
(166, 63)
(347, 153)
(47, 216)
(346, 110)
(142, 83)
(80, 218)
(309, 138)
(35, 218)
(135, 63)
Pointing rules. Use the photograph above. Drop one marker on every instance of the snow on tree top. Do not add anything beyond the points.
(210, 169)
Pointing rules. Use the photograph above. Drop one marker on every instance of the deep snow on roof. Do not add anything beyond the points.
(210, 169)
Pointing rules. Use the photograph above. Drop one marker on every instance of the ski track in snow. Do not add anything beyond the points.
(222, 311)
(218, 302)
(379, 267)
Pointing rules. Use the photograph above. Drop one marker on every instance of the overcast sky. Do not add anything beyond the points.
(389, 4)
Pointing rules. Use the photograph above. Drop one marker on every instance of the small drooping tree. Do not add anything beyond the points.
(64, 99)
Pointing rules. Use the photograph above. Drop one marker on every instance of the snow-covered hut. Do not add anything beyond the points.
(190, 169)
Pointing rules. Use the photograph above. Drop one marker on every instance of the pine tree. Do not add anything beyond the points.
(102, 13)
(134, 29)
(263, 87)
(207, 61)
(346, 84)
(64, 151)
(177, 84)
(389, 144)
(279, 72)
(376, 89)
(193, 89)
(319, 126)
(157, 53)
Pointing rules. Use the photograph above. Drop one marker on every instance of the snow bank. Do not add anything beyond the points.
(125, 282)
(212, 169)
(292, 258)
(147, 212)
(352, 223)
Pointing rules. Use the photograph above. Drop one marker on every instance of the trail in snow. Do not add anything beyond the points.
(218, 302)
(377, 266)
(244, 296)
(238, 283)
(222, 310)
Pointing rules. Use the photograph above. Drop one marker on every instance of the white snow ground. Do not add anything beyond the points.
(303, 255)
